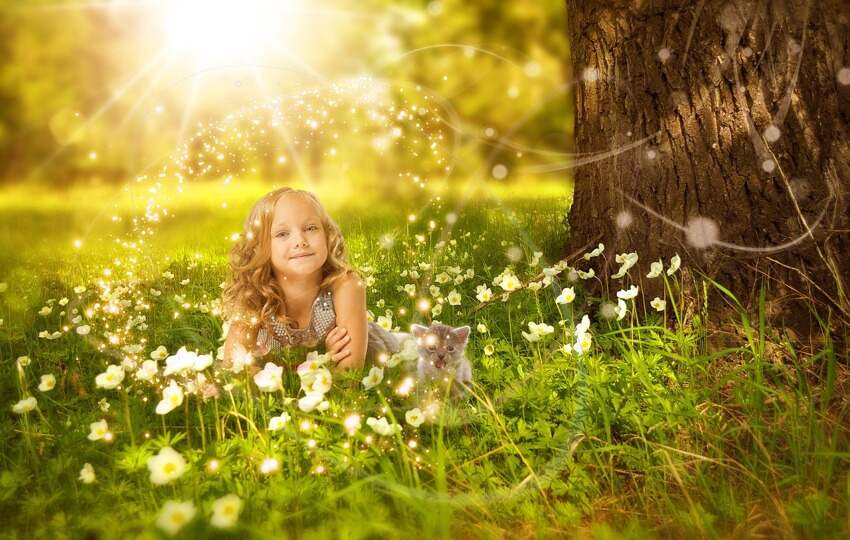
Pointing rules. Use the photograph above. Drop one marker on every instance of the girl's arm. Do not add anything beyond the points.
(349, 298)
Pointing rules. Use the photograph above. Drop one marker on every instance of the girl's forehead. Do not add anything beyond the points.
(293, 208)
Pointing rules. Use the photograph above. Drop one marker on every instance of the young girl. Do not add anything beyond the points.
(291, 286)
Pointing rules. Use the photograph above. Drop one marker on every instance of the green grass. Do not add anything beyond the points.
(652, 433)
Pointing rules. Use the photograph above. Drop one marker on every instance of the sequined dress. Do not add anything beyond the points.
(322, 321)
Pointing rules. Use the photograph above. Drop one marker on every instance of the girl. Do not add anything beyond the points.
(291, 286)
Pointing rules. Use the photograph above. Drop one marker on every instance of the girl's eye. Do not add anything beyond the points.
(283, 233)
(312, 228)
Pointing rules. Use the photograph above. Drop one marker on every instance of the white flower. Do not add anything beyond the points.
(442, 277)
(270, 379)
(180, 362)
(277, 422)
(535, 258)
(414, 417)
(174, 515)
(621, 309)
(132, 349)
(160, 353)
(510, 282)
(595, 253)
(80, 289)
(436, 310)
(483, 293)
(583, 343)
(629, 294)
(482, 328)
(147, 371)
(313, 362)
(226, 511)
(674, 265)
(172, 397)
(111, 378)
(454, 298)
(45, 311)
(584, 325)
(489, 350)
(47, 383)
(586, 275)
(385, 322)
(202, 362)
(382, 427)
(25, 405)
(626, 260)
(537, 331)
(103, 404)
(408, 353)
(567, 296)
(310, 401)
(24, 361)
(240, 358)
(83, 329)
(167, 466)
(87, 474)
(658, 304)
(319, 380)
(98, 430)
(375, 376)
(655, 269)
(410, 289)
(535, 286)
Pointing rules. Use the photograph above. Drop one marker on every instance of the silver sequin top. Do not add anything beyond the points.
(322, 320)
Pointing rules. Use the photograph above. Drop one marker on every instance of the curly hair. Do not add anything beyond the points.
(252, 295)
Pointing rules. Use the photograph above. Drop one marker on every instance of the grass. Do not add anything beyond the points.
(654, 432)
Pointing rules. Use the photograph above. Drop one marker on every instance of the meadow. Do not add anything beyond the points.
(620, 425)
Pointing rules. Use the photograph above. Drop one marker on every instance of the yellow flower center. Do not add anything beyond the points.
(169, 468)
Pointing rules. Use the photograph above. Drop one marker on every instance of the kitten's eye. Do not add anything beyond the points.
(451, 348)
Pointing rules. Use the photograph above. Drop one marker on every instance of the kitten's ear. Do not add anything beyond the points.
(418, 330)
(462, 333)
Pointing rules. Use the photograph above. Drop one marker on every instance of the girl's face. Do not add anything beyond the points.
(299, 242)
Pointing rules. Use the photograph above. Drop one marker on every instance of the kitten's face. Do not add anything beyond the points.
(440, 344)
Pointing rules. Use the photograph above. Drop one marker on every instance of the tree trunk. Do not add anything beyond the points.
(724, 127)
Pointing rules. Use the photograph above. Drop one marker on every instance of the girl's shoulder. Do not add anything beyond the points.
(350, 281)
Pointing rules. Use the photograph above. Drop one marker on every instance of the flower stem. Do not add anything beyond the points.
(127, 418)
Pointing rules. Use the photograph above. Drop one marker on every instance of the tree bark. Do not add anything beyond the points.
(745, 111)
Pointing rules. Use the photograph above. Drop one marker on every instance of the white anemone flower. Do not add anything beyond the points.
(537, 331)
(310, 401)
(48, 382)
(98, 430)
(510, 282)
(277, 422)
(172, 397)
(595, 253)
(111, 378)
(655, 269)
(175, 515)
(454, 298)
(628, 294)
(180, 362)
(165, 467)
(147, 371)
(483, 293)
(25, 405)
(626, 260)
(374, 378)
(317, 381)
(566, 297)
(414, 417)
(382, 427)
(202, 362)
(586, 275)
(674, 264)
(270, 379)
(160, 353)
(226, 511)
(87, 474)
(621, 309)
(658, 304)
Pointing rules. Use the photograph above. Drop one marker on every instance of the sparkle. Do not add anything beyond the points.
(499, 172)
(269, 465)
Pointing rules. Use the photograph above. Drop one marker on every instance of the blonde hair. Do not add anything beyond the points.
(252, 295)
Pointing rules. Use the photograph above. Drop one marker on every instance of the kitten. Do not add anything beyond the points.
(442, 355)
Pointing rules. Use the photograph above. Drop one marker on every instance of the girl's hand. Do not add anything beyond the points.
(336, 343)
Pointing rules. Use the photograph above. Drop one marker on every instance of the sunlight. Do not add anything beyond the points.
(225, 29)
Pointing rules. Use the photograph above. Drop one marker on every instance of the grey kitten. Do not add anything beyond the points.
(442, 355)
